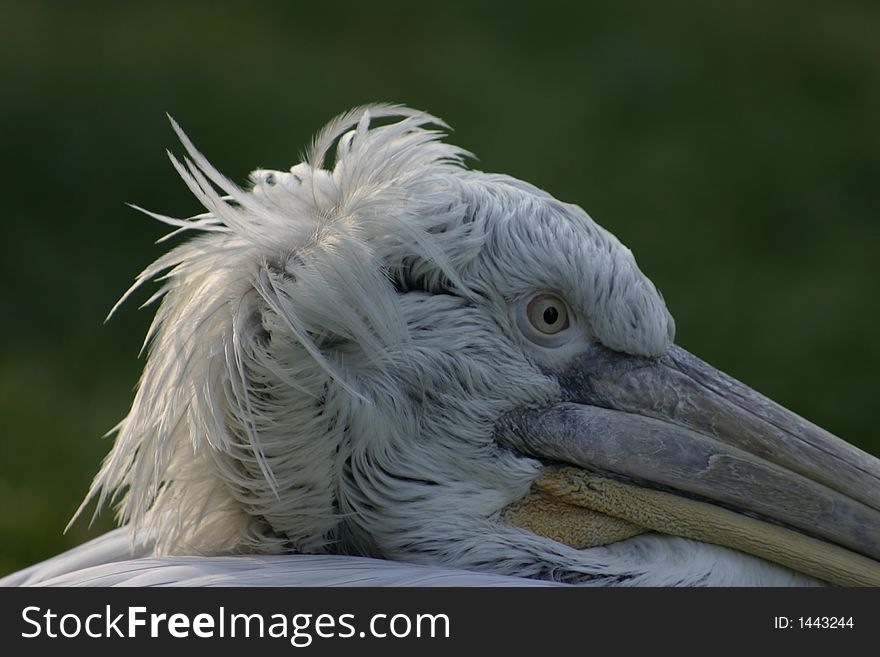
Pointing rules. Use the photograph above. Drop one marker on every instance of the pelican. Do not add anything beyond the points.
(383, 367)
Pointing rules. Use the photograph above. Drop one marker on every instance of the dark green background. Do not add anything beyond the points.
(735, 147)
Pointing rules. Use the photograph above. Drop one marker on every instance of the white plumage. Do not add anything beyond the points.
(328, 365)
(110, 560)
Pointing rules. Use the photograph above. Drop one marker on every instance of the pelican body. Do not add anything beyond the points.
(383, 367)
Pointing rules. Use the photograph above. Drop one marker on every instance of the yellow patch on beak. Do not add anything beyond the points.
(583, 509)
(576, 526)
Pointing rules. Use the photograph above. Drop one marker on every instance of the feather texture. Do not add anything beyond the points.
(332, 349)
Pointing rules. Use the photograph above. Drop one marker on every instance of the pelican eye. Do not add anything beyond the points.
(548, 314)
(544, 319)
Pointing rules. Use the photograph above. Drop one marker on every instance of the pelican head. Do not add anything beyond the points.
(391, 355)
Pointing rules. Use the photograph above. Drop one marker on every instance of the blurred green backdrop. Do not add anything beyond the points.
(734, 147)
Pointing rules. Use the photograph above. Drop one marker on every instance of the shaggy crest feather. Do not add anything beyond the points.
(308, 253)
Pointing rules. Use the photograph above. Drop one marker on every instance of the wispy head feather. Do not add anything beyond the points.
(250, 311)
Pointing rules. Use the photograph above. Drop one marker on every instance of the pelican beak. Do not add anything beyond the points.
(671, 444)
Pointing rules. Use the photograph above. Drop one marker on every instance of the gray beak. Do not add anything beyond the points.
(679, 427)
